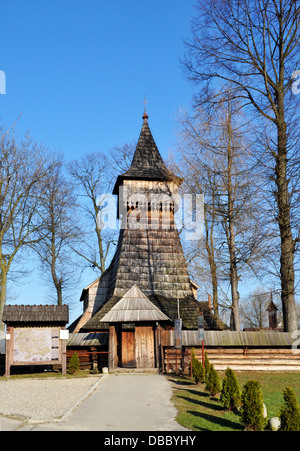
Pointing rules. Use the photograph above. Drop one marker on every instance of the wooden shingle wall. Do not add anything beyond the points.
(153, 260)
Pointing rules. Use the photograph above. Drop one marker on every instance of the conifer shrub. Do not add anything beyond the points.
(252, 407)
(290, 412)
(206, 366)
(74, 363)
(230, 394)
(213, 381)
(197, 369)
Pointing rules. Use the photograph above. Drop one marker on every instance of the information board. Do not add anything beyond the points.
(35, 345)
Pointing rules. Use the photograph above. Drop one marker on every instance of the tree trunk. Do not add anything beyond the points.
(287, 243)
(287, 272)
(57, 283)
(2, 296)
(100, 248)
(210, 249)
(232, 250)
(56, 280)
(234, 280)
(59, 293)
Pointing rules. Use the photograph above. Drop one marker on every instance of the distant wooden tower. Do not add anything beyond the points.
(272, 310)
(139, 292)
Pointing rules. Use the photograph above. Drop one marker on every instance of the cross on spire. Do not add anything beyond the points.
(145, 116)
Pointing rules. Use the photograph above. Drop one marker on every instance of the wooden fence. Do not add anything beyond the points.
(248, 359)
(89, 359)
(176, 361)
(92, 349)
(237, 359)
(241, 351)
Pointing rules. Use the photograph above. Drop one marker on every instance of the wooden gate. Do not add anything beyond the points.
(128, 349)
(145, 354)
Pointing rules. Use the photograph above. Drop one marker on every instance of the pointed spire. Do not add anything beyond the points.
(147, 163)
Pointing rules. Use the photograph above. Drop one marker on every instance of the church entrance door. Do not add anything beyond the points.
(145, 353)
(128, 349)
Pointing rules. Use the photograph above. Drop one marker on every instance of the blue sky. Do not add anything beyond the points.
(78, 72)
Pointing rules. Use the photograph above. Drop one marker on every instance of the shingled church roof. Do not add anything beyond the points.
(147, 163)
(152, 259)
(134, 307)
(189, 309)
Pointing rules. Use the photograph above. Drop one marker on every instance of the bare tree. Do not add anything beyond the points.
(253, 46)
(254, 308)
(59, 233)
(93, 179)
(23, 167)
(94, 176)
(202, 259)
(216, 163)
(122, 157)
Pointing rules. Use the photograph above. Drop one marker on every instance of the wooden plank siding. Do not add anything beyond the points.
(226, 338)
(241, 351)
(255, 359)
(236, 359)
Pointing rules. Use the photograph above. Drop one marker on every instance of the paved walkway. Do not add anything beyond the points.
(123, 402)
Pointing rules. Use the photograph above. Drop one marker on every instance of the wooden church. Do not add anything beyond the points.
(147, 285)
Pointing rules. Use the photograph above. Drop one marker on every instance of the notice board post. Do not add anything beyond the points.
(201, 334)
(178, 340)
(35, 335)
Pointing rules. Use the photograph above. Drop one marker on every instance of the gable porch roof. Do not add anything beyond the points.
(134, 306)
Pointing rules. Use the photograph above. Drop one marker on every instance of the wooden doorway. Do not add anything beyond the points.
(128, 349)
(145, 351)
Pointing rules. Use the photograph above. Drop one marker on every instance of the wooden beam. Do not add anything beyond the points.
(63, 356)
(112, 348)
(8, 350)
